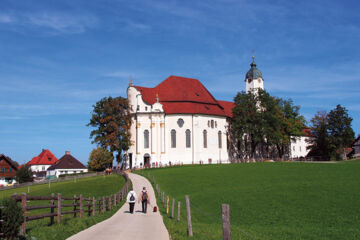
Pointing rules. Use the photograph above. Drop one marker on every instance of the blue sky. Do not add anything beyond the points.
(57, 58)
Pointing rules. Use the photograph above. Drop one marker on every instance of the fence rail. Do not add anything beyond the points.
(80, 205)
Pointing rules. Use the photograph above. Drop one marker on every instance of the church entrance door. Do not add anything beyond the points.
(130, 160)
(146, 161)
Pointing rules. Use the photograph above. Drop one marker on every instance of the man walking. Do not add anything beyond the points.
(144, 198)
(131, 199)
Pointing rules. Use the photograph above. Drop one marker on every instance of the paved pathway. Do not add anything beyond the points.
(123, 225)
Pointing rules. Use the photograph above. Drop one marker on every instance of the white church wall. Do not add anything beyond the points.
(298, 147)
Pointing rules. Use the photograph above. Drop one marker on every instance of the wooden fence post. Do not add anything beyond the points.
(179, 205)
(103, 204)
(109, 202)
(23, 206)
(81, 206)
(188, 213)
(114, 199)
(167, 204)
(225, 209)
(58, 208)
(75, 205)
(89, 206)
(52, 210)
(172, 208)
(93, 206)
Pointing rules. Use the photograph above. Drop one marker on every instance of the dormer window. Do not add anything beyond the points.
(49, 159)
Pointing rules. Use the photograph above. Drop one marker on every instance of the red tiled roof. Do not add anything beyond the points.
(183, 95)
(45, 158)
(228, 106)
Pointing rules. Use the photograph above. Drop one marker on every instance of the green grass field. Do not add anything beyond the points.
(89, 187)
(267, 200)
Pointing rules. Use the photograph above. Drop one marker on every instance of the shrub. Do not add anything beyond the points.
(13, 218)
(24, 174)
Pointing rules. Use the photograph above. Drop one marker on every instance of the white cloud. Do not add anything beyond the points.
(4, 18)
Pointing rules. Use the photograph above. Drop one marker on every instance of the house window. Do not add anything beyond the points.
(10, 170)
(205, 138)
(219, 139)
(49, 159)
(3, 170)
(187, 136)
(146, 139)
(300, 148)
(212, 123)
(43, 168)
(173, 138)
(65, 172)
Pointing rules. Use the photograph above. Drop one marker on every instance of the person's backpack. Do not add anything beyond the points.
(144, 196)
(132, 198)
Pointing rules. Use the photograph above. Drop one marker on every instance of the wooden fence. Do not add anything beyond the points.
(165, 200)
(79, 205)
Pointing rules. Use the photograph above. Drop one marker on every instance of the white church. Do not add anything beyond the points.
(180, 122)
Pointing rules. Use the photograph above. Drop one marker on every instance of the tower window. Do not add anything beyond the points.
(146, 139)
(205, 138)
(173, 138)
(219, 139)
(187, 136)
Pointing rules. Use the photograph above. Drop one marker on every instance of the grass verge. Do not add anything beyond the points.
(267, 200)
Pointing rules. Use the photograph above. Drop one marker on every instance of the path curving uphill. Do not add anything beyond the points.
(123, 225)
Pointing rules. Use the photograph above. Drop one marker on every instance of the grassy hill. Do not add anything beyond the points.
(89, 187)
(267, 200)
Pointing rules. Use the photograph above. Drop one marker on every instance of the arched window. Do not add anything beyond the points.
(146, 139)
(212, 123)
(219, 139)
(187, 136)
(173, 138)
(205, 138)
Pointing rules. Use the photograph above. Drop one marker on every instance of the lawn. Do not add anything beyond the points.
(267, 200)
(89, 187)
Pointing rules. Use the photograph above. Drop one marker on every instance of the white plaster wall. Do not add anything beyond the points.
(298, 148)
(254, 84)
(39, 168)
(58, 172)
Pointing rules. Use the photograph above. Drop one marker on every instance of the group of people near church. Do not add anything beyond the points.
(143, 198)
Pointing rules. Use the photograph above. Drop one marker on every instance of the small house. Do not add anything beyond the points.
(41, 163)
(8, 169)
(355, 153)
(67, 164)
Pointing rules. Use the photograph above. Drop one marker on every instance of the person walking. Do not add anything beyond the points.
(131, 199)
(144, 198)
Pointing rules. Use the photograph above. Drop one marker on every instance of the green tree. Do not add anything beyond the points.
(24, 174)
(341, 134)
(319, 141)
(111, 120)
(100, 159)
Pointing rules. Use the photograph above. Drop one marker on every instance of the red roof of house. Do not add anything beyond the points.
(45, 158)
(228, 107)
(183, 95)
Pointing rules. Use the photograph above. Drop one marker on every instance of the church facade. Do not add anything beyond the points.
(180, 122)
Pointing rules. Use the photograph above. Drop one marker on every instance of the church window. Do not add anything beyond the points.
(145, 108)
(146, 139)
(219, 139)
(209, 123)
(138, 108)
(187, 136)
(215, 124)
(173, 138)
(205, 138)
(259, 81)
(293, 148)
(212, 123)
(300, 148)
(180, 122)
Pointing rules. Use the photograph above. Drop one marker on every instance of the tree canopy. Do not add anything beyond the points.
(111, 120)
(24, 174)
(331, 133)
(100, 159)
(262, 125)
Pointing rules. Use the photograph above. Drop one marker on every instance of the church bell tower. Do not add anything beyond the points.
(254, 79)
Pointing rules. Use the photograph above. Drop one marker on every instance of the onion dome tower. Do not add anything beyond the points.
(254, 79)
